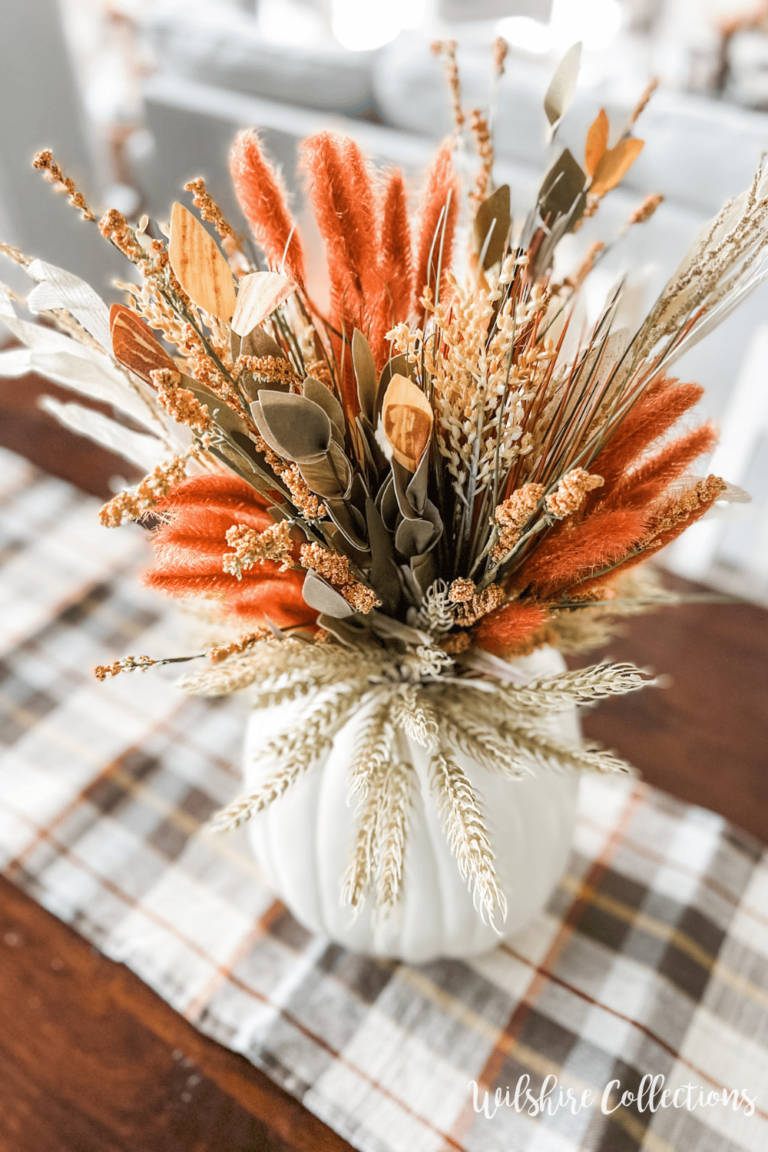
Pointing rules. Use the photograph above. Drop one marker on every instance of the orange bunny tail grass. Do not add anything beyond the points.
(191, 545)
(219, 491)
(269, 597)
(396, 273)
(569, 555)
(510, 628)
(648, 482)
(675, 516)
(347, 215)
(438, 212)
(262, 199)
(365, 217)
(655, 412)
(397, 262)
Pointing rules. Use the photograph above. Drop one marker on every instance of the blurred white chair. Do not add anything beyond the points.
(42, 109)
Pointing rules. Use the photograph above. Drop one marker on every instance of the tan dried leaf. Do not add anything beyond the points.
(408, 419)
(258, 295)
(613, 164)
(199, 265)
(597, 142)
(134, 345)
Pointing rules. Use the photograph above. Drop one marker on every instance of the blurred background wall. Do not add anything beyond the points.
(137, 96)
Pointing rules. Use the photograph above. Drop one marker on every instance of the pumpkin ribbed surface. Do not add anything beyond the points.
(303, 842)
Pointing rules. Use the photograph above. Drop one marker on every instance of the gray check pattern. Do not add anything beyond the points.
(652, 956)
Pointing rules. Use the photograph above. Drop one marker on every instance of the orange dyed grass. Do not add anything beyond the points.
(190, 550)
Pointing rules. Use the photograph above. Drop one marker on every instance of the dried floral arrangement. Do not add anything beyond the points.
(390, 499)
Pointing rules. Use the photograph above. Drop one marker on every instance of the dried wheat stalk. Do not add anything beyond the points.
(467, 835)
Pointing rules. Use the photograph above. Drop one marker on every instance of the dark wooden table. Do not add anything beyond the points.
(91, 1060)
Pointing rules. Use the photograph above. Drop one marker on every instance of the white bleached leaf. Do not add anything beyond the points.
(15, 362)
(35, 335)
(60, 289)
(733, 494)
(258, 295)
(93, 376)
(6, 304)
(146, 451)
(562, 86)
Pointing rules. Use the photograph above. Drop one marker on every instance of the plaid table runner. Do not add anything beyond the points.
(648, 965)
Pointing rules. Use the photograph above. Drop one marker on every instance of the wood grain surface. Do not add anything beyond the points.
(92, 1061)
(704, 735)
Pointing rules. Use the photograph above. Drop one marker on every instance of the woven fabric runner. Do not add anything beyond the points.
(651, 958)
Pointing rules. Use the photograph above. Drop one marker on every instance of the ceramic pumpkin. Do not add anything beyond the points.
(304, 840)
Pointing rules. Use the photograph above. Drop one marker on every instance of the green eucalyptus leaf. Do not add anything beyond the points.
(561, 188)
(492, 223)
(385, 577)
(349, 522)
(256, 343)
(358, 492)
(260, 343)
(228, 454)
(350, 631)
(321, 596)
(336, 539)
(263, 427)
(299, 426)
(413, 537)
(251, 385)
(386, 502)
(328, 474)
(417, 489)
(238, 452)
(413, 589)
(374, 455)
(416, 537)
(402, 480)
(225, 417)
(424, 570)
(320, 395)
(365, 373)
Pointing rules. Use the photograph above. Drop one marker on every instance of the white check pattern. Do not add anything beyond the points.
(652, 956)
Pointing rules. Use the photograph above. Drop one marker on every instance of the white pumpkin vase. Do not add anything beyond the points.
(303, 841)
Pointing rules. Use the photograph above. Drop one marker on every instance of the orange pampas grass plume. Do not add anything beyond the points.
(190, 552)
(503, 631)
(262, 199)
(441, 191)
